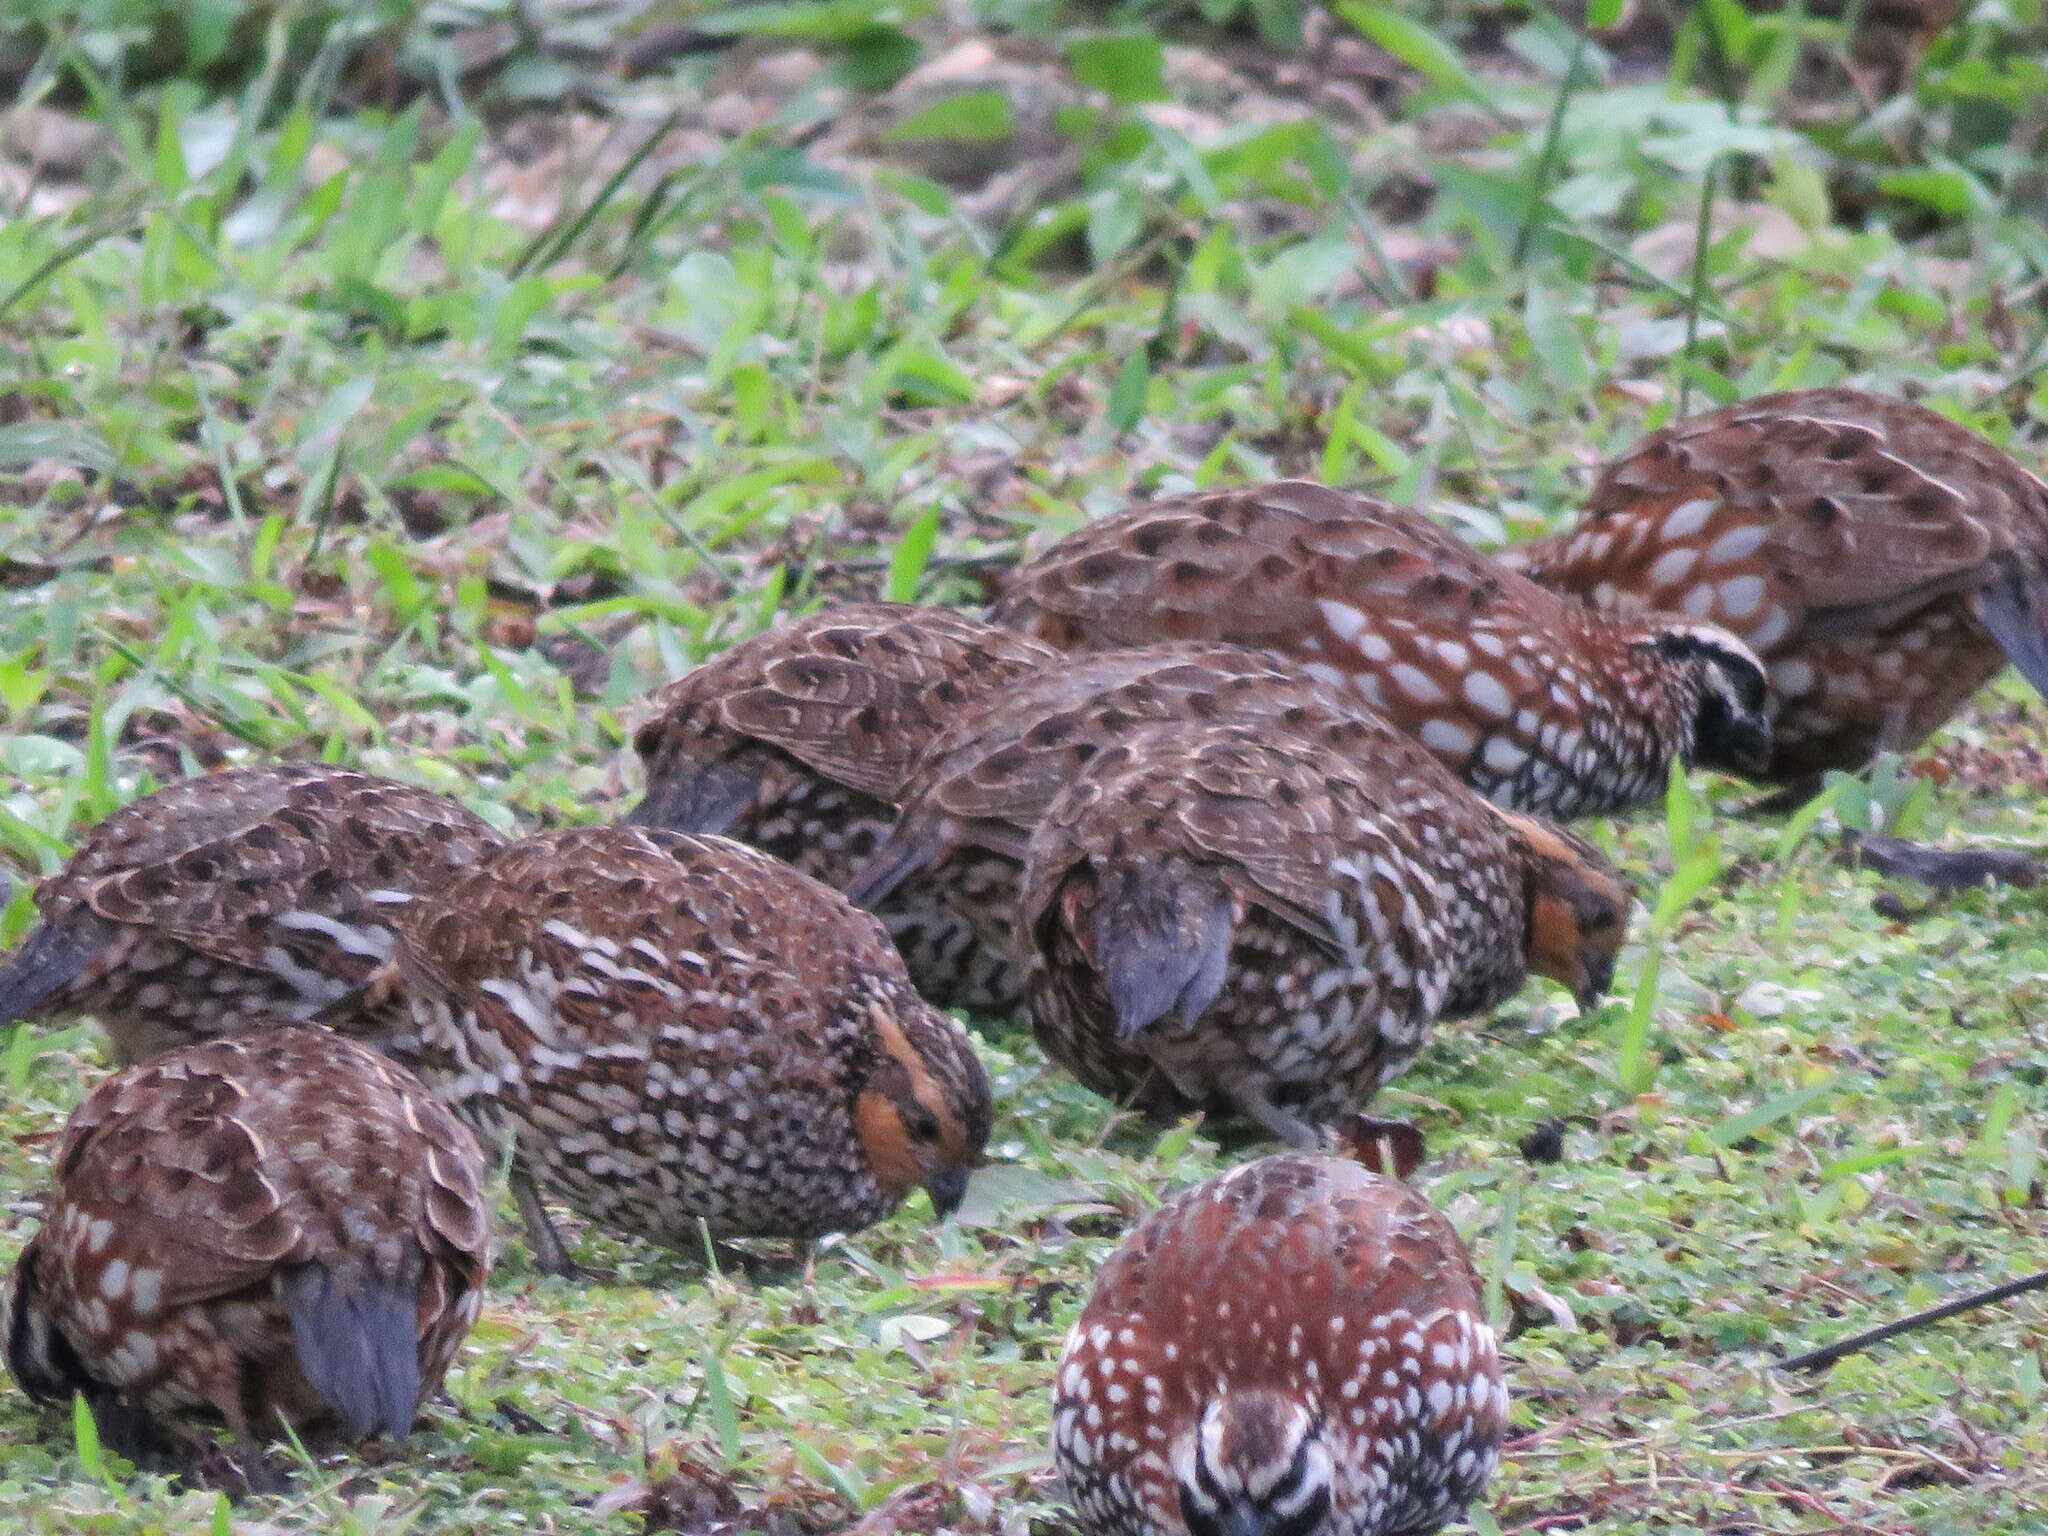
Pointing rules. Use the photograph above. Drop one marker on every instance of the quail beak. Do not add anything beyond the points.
(1594, 980)
(947, 1187)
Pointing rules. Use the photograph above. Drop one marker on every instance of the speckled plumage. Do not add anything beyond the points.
(272, 1228)
(797, 741)
(1295, 1348)
(1538, 703)
(676, 1028)
(1884, 561)
(985, 782)
(244, 896)
(1223, 918)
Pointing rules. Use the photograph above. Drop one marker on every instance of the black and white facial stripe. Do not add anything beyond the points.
(1732, 729)
(1254, 1467)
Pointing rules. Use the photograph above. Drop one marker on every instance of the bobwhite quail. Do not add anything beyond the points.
(1884, 561)
(1538, 703)
(1295, 1347)
(1226, 920)
(985, 782)
(277, 1230)
(679, 1029)
(797, 741)
(231, 899)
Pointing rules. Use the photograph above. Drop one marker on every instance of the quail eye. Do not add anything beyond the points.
(922, 1124)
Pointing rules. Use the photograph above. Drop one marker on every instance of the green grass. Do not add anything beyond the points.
(316, 442)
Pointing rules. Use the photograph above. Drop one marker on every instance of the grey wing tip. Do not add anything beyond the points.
(44, 966)
(359, 1348)
(705, 799)
(1153, 967)
(2012, 609)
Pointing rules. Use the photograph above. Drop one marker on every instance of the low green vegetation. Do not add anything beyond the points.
(417, 386)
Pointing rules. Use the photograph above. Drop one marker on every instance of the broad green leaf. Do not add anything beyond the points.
(1128, 67)
(1634, 1069)
(725, 1421)
(831, 21)
(401, 586)
(1687, 881)
(85, 1437)
(23, 1044)
(1732, 27)
(1951, 192)
(1555, 341)
(912, 554)
(842, 1480)
(974, 117)
(1413, 44)
(1127, 393)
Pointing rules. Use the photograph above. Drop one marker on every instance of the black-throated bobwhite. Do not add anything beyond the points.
(1227, 920)
(1537, 702)
(1884, 561)
(276, 1230)
(248, 895)
(1295, 1348)
(971, 803)
(797, 740)
(676, 1029)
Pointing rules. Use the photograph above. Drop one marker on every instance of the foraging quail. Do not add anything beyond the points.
(676, 1029)
(985, 782)
(278, 1229)
(1884, 561)
(1294, 1347)
(797, 741)
(1227, 920)
(235, 898)
(1538, 703)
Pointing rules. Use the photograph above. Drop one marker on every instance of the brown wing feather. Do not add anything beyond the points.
(997, 767)
(213, 861)
(1869, 505)
(853, 693)
(1262, 815)
(222, 1161)
(1249, 566)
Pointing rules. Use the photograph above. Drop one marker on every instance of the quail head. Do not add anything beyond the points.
(1540, 704)
(245, 896)
(278, 1230)
(677, 1029)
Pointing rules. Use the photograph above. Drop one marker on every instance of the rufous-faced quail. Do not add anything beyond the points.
(1227, 920)
(677, 1029)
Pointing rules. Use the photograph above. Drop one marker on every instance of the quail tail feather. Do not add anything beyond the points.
(1162, 944)
(357, 1346)
(2014, 608)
